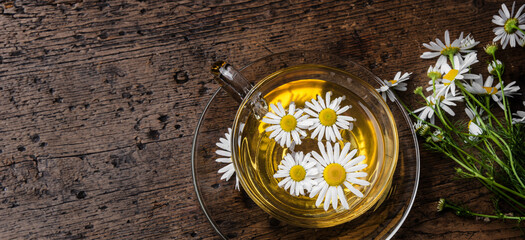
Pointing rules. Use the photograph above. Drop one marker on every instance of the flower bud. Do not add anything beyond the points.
(495, 66)
(424, 130)
(419, 90)
(441, 204)
(433, 73)
(437, 136)
(491, 49)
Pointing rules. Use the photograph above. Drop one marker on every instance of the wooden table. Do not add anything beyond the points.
(99, 101)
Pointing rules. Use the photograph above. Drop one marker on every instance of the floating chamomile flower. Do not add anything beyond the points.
(339, 169)
(326, 117)
(427, 112)
(286, 128)
(520, 117)
(226, 157)
(459, 45)
(298, 171)
(459, 72)
(398, 84)
(508, 32)
(473, 124)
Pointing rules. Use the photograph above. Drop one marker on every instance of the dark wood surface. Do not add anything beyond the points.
(99, 101)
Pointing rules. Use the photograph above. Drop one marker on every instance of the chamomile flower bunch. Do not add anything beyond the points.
(466, 115)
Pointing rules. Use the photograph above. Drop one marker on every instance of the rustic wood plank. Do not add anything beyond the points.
(99, 100)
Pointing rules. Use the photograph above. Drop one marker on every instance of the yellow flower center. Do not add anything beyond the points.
(511, 25)
(288, 123)
(449, 51)
(327, 117)
(469, 122)
(451, 75)
(334, 174)
(297, 173)
(491, 90)
(393, 81)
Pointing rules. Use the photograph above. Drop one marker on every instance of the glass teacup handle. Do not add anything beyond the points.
(238, 87)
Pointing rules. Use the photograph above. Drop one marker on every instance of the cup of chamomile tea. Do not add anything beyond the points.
(313, 144)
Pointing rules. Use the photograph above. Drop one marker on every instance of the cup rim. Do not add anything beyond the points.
(236, 124)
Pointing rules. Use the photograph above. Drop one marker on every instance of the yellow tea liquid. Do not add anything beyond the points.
(263, 155)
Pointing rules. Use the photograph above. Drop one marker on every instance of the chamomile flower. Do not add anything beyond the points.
(491, 49)
(460, 71)
(421, 128)
(444, 102)
(225, 154)
(327, 119)
(488, 88)
(398, 84)
(473, 124)
(520, 117)
(458, 46)
(339, 169)
(434, 72)
(495, 66)
(286, 127)
(509, 90)
(468, 43)
(508, 24)
(437, 136)
(298, 171)
(478, 87)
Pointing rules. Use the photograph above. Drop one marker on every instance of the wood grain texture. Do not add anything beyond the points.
(99, 100)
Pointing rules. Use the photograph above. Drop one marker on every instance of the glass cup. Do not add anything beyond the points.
(257, 84)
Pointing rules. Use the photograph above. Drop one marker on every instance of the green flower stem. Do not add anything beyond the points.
(476, 174)
(487, 101)
(483, 150)
(465, 212)
(461, 163)
(519, 29)
(466, 93)
(451, 58)
(511, 161)
(434, 84)
(510, 200)
(505, 102)
(442, 117)
(415, 115)
(494, 156)
(491, 181)
(459, 149)
(471, 106)
(470, 96)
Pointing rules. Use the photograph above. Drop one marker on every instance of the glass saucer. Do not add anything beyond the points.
(235, 216)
